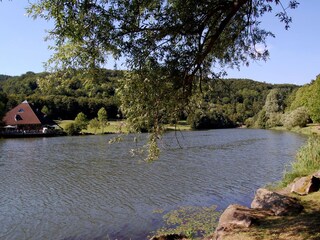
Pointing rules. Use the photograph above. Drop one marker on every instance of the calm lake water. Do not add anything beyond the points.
(84, 188)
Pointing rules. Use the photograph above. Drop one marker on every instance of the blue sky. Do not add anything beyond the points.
(295, 54)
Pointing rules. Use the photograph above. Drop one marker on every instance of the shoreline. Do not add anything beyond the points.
(296, 227)
(304, 225)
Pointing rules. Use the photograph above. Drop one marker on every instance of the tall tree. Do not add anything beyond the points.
(185, 40)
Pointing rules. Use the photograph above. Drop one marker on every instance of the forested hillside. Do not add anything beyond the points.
(64, 95)
(232, 102)
(222, 103)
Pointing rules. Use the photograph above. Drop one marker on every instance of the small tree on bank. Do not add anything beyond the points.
(80, 123)
(94, 123)
(71, 129)
(103, 118)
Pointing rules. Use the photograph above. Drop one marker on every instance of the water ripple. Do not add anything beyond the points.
(83, 188)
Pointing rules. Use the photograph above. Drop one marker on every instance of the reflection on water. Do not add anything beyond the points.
(84, 188)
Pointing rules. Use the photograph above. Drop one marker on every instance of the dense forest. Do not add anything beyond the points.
(222, 103)
(63, 95)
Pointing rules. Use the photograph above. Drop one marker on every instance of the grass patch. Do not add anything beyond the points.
(120, 127)
(112, 127)
(63, 123)
(180, 126)
(310, 129)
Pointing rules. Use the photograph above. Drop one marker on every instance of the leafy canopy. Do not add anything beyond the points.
(174, 45)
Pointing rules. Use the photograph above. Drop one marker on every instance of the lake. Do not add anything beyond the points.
(84, 188)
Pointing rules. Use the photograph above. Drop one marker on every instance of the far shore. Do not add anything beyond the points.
(119, 126)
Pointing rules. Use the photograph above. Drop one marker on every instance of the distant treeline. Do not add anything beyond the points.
(226, 103)
(230, 102)
(63, 95)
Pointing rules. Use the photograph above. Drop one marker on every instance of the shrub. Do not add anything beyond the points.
(249, 122)
(94, 124)
(210, 120)
(261, 119)
(72, 129)
(274, 120)
(298, 117)
(81, 121)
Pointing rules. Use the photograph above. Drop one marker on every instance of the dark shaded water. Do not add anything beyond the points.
(84, 188)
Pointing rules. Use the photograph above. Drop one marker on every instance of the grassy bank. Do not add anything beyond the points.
(112, 127)
(302, 226)
(307, 161)
(308, 156)
(120, 126)
(309, 130)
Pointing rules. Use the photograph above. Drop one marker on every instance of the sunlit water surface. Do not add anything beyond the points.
(84, 188)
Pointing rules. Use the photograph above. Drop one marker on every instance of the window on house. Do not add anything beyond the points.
(17, 117)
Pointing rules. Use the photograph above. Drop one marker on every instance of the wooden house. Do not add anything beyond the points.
(24, 119)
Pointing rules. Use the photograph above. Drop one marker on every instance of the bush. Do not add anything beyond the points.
(72, 129)
(81, 122)
(298, 117)
(261, 119)
(94, 124)
(274, 120)
(210, 120)
(249, 122)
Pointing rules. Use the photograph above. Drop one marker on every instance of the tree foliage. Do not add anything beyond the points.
(185, 40)
(184, 36)
(275, 101)
(102, 118)
(298, 117)
(271, 115)
(3, 104)
(81, 121)
(95, 124)
(64, 94)
(72, 129)
(309, 97)
(172, 47)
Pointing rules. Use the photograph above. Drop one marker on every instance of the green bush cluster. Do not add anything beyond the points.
(80, 123)
(298, 117)
(209, 120)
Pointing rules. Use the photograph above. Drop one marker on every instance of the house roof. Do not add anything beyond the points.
(25, 114)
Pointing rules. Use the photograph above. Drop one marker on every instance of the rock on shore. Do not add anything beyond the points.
(265, 203)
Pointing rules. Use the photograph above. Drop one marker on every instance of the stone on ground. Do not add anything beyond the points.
(279, 204)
